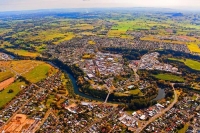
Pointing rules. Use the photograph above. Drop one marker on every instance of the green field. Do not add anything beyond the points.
(6, 97)
(136, 92)
(169, 77)
(38, 73)
(193, 47)
(5, 75)
(23, 52)
(188, 62)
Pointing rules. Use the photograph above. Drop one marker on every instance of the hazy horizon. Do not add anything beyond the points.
(19, 5)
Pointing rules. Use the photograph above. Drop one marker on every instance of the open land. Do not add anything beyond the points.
(169, 77)
(188, 62)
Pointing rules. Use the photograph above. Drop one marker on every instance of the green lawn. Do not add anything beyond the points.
(188, 62)
(169, 77)
(5, 75)
(38, 73)
(6, 97)
(136, 92)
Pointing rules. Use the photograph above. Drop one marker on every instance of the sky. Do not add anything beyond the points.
(13, 5)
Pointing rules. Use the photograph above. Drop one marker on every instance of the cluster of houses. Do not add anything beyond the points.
(109, 123)
(150, 62)
(29, 101)
(132, 121)
(174, 38)
(5, 57)
(180, 114)
(17, 103)
(49, 125)
(76, 117)
(104, 64)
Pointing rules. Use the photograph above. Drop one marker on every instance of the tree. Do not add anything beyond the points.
(10, 91)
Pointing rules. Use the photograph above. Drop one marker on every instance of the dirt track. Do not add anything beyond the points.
(6, 83)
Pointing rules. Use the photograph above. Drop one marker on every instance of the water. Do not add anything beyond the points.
(161, 94)
(75, 86)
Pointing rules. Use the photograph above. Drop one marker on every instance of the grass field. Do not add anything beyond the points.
(169, 77)
(6, 97)
(193, 47)
(20, 66)
(188, 62)
(5, 75)
(136, 92)
(39, 73)
(23, 52)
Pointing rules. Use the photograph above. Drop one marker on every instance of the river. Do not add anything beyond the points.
(75, 86)
(161, 92)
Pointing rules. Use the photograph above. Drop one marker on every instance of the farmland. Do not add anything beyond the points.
(188, 62)
(39, 73)
(23, 52)
(169, 77)
(20, 66)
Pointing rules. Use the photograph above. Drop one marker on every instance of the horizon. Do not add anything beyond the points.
(26, 5)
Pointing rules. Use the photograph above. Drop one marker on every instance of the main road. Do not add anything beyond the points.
(160, 113)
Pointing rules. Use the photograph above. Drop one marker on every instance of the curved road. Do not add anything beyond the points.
(160, 113)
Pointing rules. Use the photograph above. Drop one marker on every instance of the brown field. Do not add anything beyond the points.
(6, 83)
(21, 66)
(18, 124)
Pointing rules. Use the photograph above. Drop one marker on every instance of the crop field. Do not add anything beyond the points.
(40, 72)
(169, 77)
(55, 35)
(23, 52)
(188, 62)
(6, 97)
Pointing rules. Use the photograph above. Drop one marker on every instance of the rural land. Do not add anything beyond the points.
(116, 70)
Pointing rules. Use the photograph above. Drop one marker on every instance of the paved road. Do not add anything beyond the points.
(160, 113)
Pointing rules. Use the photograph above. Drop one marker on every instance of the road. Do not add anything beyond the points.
(160, 113)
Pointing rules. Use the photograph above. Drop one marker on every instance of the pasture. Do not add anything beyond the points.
(39, 73)
(169, 77)
(23, 52)
(193, 47)
(4, 75)
(195, 65)
(19, 67)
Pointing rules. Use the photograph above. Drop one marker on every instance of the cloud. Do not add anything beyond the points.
(6, 5)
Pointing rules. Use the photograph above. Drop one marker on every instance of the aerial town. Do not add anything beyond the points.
(112, 71)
